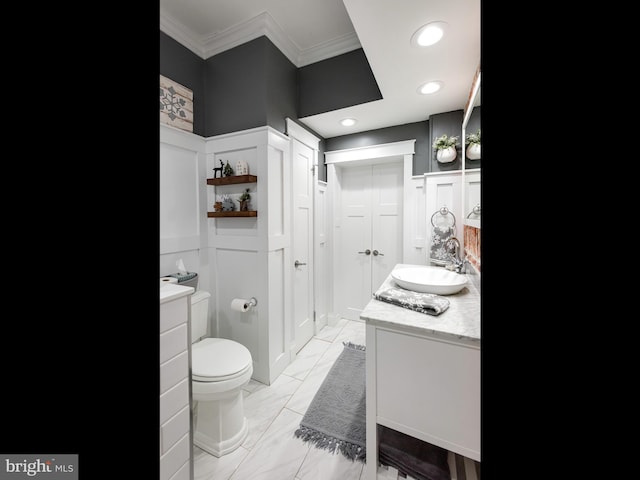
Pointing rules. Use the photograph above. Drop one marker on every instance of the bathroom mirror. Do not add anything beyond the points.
(471, 123)
(471, 178)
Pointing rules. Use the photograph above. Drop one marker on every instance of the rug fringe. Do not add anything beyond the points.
(326, 442)
(355, 346)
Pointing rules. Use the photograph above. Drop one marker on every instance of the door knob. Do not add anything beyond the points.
(297, 264)
(366, 252)
(375, 253)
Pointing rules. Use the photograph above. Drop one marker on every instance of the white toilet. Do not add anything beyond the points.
(219, 369)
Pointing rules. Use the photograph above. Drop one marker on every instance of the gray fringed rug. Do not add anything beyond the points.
(335, 419)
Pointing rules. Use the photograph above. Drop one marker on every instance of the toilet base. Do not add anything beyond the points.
(219, 448)
(220, 425)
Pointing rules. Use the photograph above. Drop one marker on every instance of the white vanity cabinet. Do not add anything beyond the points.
(423, 374)
(175, 383)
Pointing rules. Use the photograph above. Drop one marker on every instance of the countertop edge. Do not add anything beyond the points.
(172, 291)
(472, 341)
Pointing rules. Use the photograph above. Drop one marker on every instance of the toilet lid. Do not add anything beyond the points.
(214, 359)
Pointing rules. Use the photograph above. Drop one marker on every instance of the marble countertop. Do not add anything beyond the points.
(171, 291)
(461, 321)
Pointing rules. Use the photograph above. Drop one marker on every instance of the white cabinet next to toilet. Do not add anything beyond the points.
(175, 383)
(251, 256)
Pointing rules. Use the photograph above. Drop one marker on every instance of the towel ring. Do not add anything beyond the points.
(475, 211)
(444, 211)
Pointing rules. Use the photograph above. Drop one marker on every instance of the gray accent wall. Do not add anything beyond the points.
(409, 131)
(236, 89)
(254, 84)
(181, 65)
(282, 88)
(334, 83)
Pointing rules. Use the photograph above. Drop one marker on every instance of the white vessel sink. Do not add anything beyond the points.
(429, 279)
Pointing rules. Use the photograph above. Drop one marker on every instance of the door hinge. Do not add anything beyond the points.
(314, 316)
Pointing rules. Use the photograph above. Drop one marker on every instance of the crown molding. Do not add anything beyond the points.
(209, 45)
(181, 33)
(328, 49)
(260, 25)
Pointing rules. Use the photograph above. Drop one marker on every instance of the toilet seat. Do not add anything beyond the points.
(218, 360)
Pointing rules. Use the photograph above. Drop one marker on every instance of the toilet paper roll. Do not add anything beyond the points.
(239, 304)
(168, 280)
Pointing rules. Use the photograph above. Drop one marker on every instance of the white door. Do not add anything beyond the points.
(370, 232)
(302, 178)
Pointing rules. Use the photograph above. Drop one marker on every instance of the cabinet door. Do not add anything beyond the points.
(429, 389)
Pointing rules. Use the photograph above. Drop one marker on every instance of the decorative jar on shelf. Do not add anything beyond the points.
(242, 167)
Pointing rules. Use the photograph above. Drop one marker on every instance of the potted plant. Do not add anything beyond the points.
(445, 148)
(228, 170)
(244, 200)
(473, 148)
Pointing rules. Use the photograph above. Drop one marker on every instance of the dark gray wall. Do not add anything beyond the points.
(409, 131)
(236, 90)
(449, 123)
(254, 85)
(282, 88)
(335, 83)
(185, 67)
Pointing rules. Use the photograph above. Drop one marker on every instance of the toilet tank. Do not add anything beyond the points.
(199, 314)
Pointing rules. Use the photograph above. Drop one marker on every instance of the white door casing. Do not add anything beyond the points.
(338, 162)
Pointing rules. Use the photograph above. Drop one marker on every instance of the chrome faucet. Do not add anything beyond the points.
(457, 264)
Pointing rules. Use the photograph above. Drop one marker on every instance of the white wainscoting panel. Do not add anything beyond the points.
(415, 227)
(249, 255)
(444, 191)
(181, 190)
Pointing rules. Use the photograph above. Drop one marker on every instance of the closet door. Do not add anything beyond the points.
(302, 160)
(370, 232)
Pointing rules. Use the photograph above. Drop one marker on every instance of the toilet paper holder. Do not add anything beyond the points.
(242, 304)
(252, 302)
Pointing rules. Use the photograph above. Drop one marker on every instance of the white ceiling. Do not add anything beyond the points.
(307, 31)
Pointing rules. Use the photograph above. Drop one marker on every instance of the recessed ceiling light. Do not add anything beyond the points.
(428, 34)
(347, 122)
(430, 87)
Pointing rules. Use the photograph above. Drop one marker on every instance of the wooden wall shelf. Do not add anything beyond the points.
(248, 213)
(232, 180)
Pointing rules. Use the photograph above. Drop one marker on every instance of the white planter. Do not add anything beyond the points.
(446, 155)
(473, 151)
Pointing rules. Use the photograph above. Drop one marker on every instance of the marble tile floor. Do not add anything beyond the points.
(270, 451)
